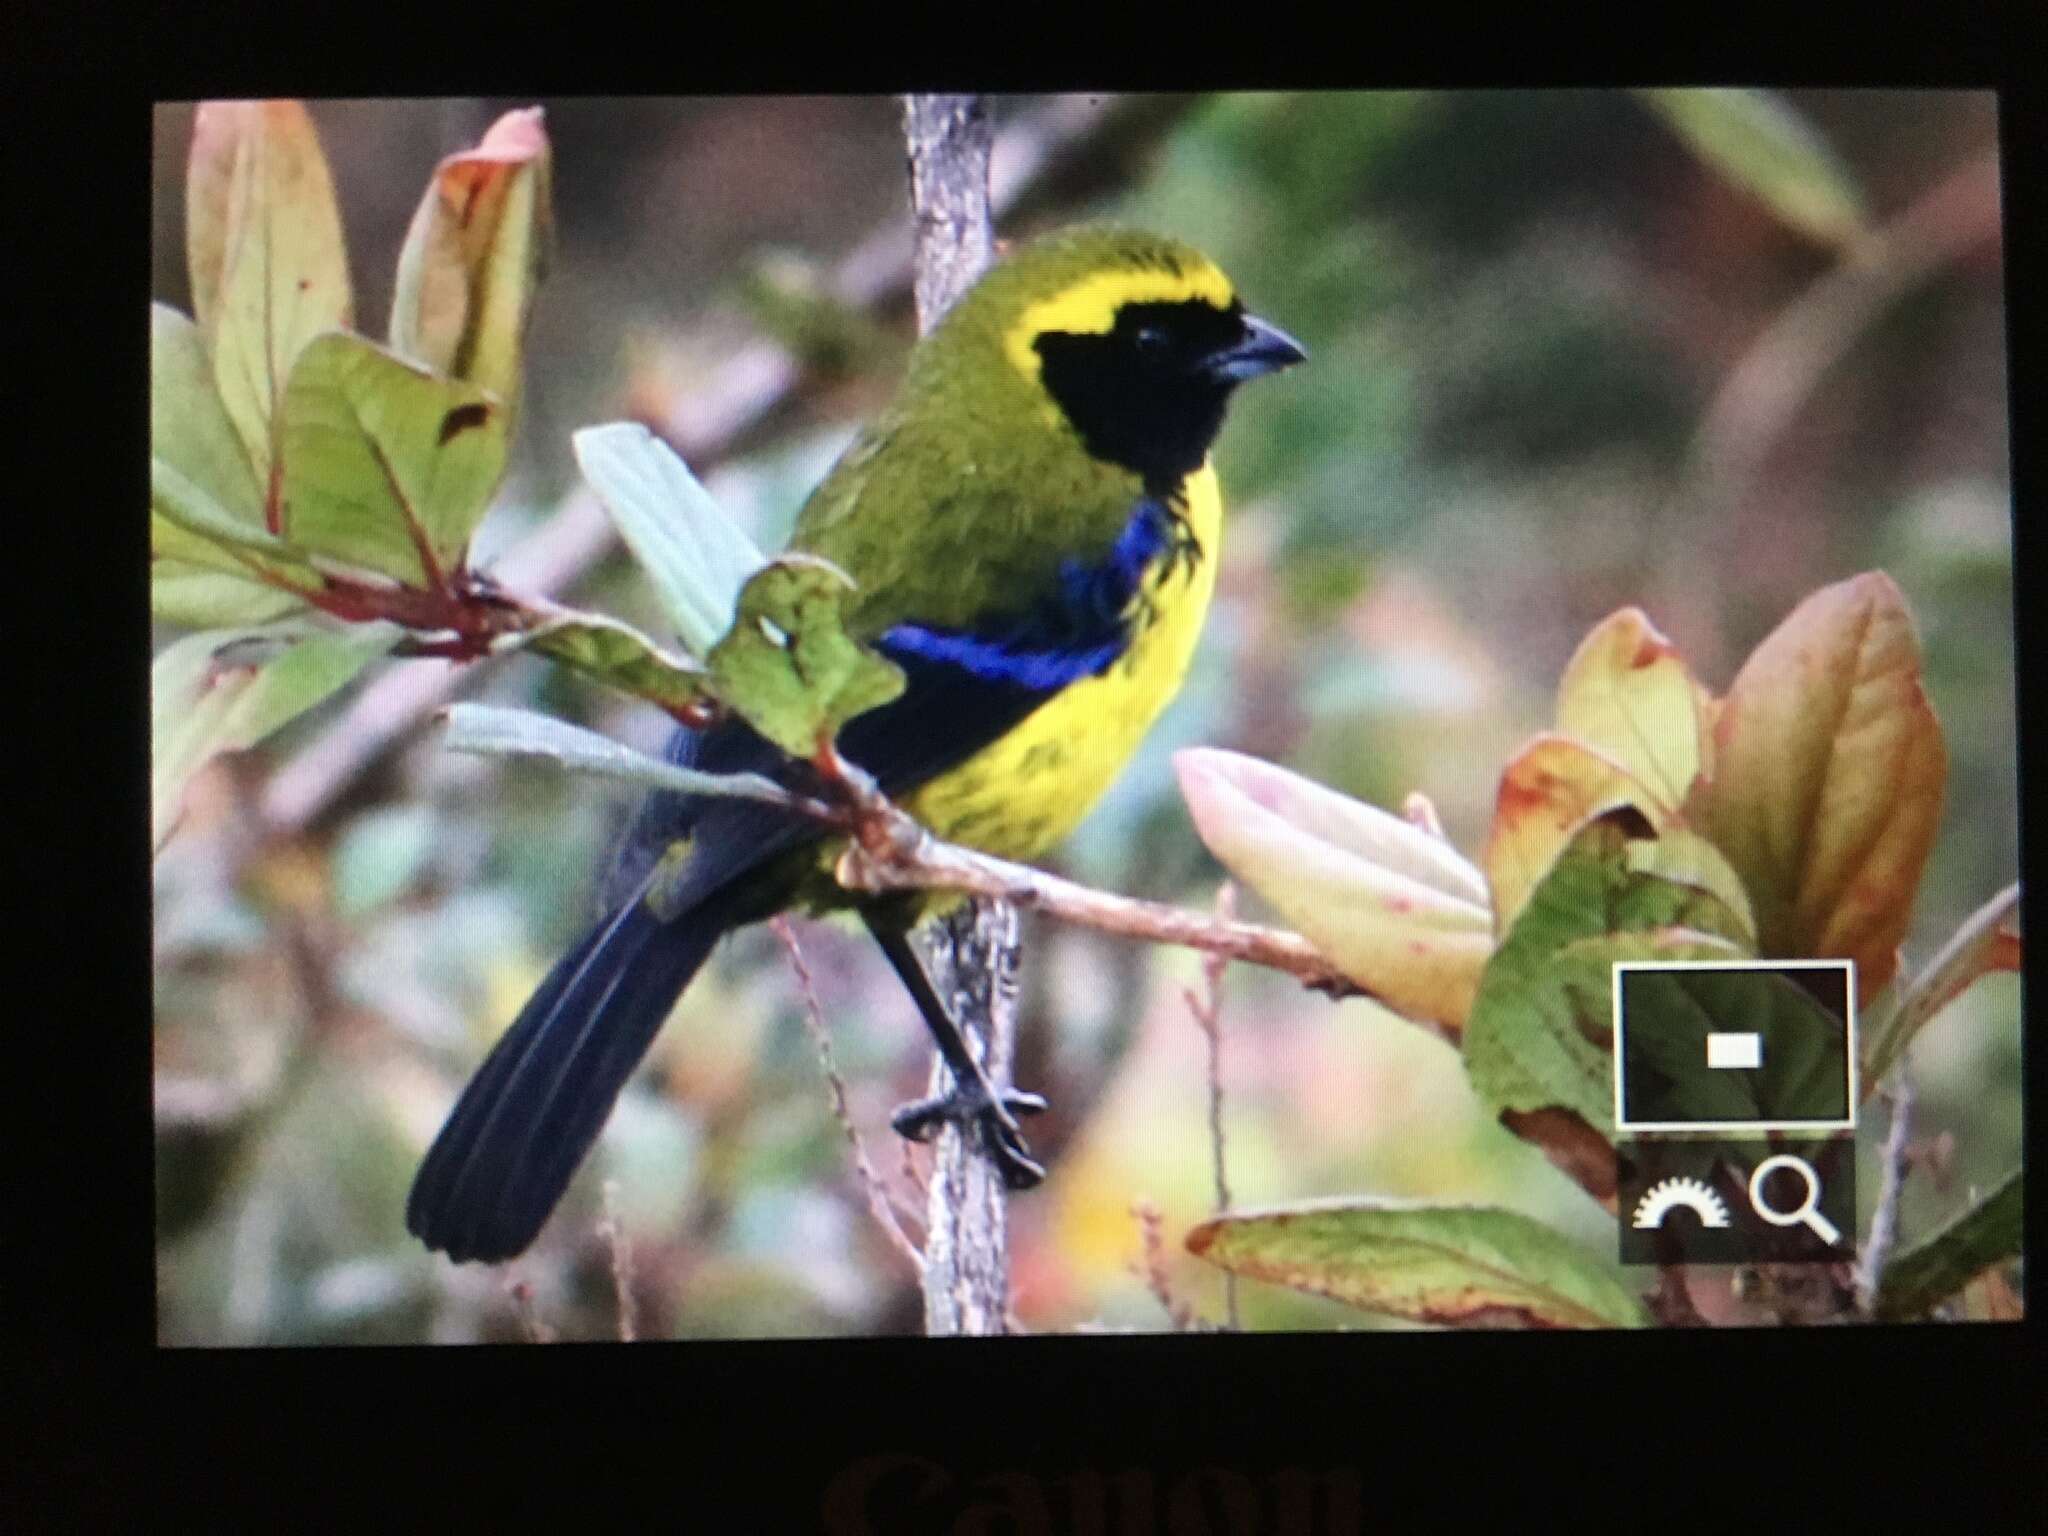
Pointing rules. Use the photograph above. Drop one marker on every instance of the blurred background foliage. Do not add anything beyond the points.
(1520, 309)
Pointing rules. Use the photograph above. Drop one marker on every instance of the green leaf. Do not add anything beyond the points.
(1396, 908)
(1987, 941)
(1986, 1234)
(1459, 1266)
(263, 236)
(1757, 142)
(613, 652)
(788, 664)
(206, 511)
(473, 258)
(499, 732)
(202, 703)
(696, 556)
(1540, 1035)
(189, 430)
(387, 467)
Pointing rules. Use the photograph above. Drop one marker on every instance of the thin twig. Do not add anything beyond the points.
(1207, 1008)
(613, 1231)
(1151, 1267)
(1884, 1220)
(879, 1200)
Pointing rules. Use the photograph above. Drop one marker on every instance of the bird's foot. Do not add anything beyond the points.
(995, 1118)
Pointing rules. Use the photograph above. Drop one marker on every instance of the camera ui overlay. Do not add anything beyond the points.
(1734, 1106)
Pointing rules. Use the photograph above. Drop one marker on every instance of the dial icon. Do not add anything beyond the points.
(1661, 1197)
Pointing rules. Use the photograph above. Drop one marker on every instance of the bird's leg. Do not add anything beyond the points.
(972, 1099)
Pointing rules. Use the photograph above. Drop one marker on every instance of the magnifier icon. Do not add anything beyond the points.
(1803, 1213)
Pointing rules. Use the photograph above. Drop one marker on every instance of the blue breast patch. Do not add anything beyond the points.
(1073, 633)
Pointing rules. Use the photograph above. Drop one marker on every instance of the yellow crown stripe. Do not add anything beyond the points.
(1089, 307)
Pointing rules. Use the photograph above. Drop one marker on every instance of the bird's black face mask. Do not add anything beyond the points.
(1149, 393)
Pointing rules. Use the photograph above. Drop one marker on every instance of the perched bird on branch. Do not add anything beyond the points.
(1032, 525)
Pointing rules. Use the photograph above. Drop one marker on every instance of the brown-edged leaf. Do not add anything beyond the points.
(1628, 693)
(1828, 779)
(1459, 1266)
(207, 538)
(263, 240)
(1548, 790)
(473, 257)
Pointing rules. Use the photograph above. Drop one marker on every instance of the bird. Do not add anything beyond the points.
(1032, 527)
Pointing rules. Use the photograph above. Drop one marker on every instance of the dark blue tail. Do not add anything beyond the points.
(527, 1119)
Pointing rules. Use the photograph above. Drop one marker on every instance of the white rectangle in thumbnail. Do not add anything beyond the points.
(1735, 1050)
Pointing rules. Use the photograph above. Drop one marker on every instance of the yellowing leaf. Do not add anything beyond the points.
(473, 257)
(206, 513)
(205, 508)
(197, 583)
(385, 465)
(201, 705)
(1828, 780)
(1396, 909)
(1628, 693)
(269, 272)
(188, 426)
(1547, 792)
(1463, 1266)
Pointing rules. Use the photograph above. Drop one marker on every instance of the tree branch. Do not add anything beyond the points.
(909, 858)
(971, 955)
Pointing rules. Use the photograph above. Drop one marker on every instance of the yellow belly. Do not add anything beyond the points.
(1022, 794)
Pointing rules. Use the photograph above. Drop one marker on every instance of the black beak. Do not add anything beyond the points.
(1263, 349)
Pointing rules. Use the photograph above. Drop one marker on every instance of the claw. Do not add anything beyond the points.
(996, 1121)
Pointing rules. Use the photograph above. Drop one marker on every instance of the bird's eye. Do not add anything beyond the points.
(1151, 338)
